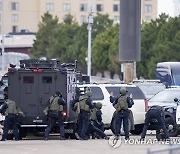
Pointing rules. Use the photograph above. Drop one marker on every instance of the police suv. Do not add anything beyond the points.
(101, 93)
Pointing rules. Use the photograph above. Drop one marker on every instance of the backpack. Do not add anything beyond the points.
(121, 103)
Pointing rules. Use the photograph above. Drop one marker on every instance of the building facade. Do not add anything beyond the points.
(26, 14)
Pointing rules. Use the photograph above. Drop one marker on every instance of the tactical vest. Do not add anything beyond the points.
(12, 109)
(93, 114)
(54, 106)
(82, 103)
(122, 103)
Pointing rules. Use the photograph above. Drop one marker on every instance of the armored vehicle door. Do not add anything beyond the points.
(47, 87)
(35, 90)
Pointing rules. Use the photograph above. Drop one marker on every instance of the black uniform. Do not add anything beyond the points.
(122, 115)
(11, 118)
(55, 115)
(155, 112)
(84, 120)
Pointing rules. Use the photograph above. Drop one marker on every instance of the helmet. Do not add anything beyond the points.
(98, 105)
(87, 91)
(123, 91)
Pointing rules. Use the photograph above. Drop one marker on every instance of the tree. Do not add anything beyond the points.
(101, 23)
(160, 42)
(47, 28)
(105, 51)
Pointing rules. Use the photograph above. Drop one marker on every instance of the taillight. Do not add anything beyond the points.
(64, 114)
(146, 104)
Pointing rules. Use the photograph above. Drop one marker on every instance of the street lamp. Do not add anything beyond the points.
(89, 27)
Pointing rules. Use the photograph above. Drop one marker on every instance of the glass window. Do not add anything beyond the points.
(116, 8)
(99, 7)
(14, 17)
(14, 6)
(28, 79)
(147, 18)
(49, 7)
(166, 96)
(97, 93)
(14, 29)
(83, 19)
(83, 7)
(148, 8)
(46, 79)
(66, 7)
(137, 93)
(116, 19)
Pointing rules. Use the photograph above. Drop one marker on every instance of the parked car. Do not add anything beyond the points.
(168, 99)
(101, 93)
(150, 87)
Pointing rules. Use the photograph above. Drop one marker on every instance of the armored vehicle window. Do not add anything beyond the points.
(97, 93)
(28, 79)
(47, 79)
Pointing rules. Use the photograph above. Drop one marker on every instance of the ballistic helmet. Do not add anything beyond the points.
(123, 91)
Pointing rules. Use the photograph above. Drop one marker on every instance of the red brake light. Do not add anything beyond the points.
(37, 70)
(64, 114)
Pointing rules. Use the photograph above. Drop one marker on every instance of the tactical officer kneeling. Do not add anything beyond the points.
(54, 112)
(155, 112)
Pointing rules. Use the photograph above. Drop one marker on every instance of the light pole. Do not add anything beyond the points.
(2, 35)
(89, 27)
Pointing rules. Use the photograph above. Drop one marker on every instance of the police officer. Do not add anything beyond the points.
(76, 109)
(84, 104)
(96, 127)
(121, 104)
(155, 112)
(11, 111)
(54, 112)
(96, 116)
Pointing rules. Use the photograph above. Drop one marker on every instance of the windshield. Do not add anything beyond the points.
(176, 74)
(151, 89)
(166, 96)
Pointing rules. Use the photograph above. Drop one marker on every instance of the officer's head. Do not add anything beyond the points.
(98, 105)
(87, 91)
(58, 93)
(6, 93)
(123, 91)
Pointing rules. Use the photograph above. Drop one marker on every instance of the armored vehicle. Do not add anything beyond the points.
(31, 85)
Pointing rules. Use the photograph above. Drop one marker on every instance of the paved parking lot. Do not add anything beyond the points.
(36, 145)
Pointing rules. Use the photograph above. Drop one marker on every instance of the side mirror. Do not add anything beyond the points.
(176, 100)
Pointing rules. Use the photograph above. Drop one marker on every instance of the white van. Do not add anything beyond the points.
(101, 93)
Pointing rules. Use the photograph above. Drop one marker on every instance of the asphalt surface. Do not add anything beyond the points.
(37, 145)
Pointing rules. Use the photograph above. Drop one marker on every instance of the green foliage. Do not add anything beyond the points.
(159, 42)
(100, 24)
(68, 41)
(47, 29)
(105, 51)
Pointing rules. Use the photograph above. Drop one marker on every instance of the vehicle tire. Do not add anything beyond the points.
(174, 131)
(122, 129)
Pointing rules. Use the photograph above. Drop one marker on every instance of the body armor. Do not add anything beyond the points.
(54, 105)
